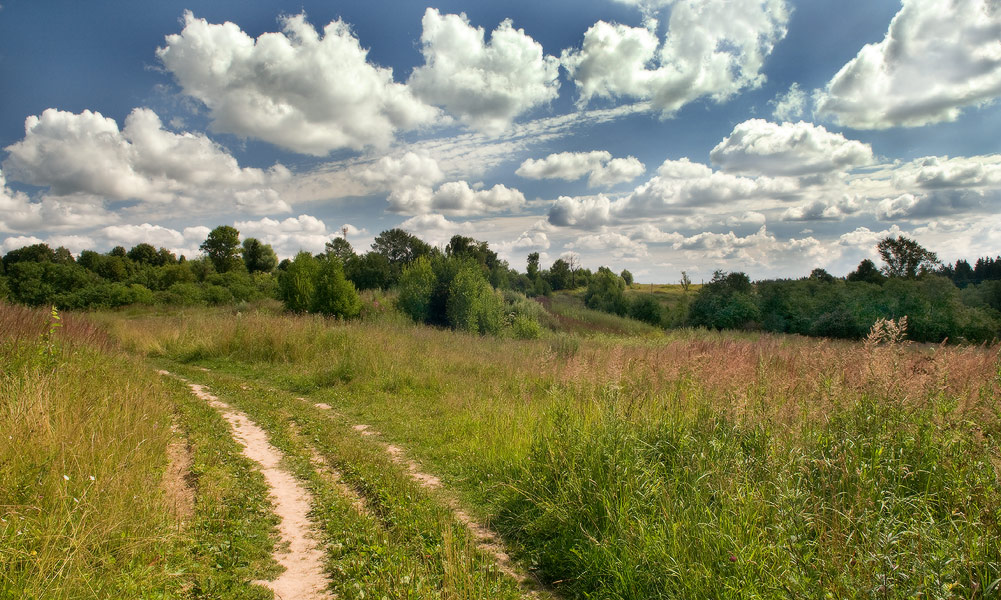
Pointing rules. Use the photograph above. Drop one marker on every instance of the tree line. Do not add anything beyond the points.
(466, 285)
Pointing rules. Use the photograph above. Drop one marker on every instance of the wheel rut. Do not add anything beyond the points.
(300, 552)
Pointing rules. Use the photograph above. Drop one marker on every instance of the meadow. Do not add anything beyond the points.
(614, 459)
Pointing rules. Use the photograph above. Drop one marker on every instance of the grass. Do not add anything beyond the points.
(622, 462)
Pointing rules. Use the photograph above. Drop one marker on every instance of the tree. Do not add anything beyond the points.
(369, 271)
(258, 256)
(333, 294)
(821, 275)
(724, 303)
(904, 257)
(416, 287)
(144, 254)
(297, 282)
(867, 272)
(605, 292)
(627, 277)
(685, 282)
(533, 265)
(222, 246)
(560, 277)
(340, 248)
(400, 247)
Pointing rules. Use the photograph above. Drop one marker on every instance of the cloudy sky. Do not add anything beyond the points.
(767, 136)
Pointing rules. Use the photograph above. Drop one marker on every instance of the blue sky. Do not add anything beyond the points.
(767, 136)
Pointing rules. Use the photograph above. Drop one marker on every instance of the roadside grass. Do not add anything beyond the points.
(405, 544)
(678, 465)
(82, 454)
(572, 317)
(84, 509)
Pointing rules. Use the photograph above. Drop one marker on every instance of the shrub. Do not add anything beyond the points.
(296, 284)
(605, 292)
(333, 294)
(646, 308)
(416, 287)
(525, 328)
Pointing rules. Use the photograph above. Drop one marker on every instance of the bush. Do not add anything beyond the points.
(525, 328)
(646, 308)
(333, 294)
(416, 287)
(605, 292)
(472, 304)
(296, 284)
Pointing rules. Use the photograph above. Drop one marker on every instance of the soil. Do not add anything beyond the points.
(302, 558)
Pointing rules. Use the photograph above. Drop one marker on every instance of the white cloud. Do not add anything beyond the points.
(601, 168)
(20, 241)
(85, 158)
(585, 213)
(399, 172)
(290, 235)
(18, 213)
(619, 245)
(297, 89)
(74, 243)
(942, 172)
(822, 210)
(486, 85)
(757, 147)
(456, 198)
(712, 48)
(791, 105)
(747, 218)
(156, 235)
(938, 57)
(435, 228)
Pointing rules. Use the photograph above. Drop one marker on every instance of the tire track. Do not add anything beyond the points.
(301, 556)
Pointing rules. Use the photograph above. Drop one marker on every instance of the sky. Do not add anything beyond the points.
(765, 136)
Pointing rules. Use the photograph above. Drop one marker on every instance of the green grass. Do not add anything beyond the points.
(622, 462)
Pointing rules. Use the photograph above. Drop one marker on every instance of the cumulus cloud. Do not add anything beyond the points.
(791, 105)
(680, 187)
(713, 48)
(399, 172)
(288, 236)
(602, 170)
(585, 213)
(298, 89)
(619, 245)
(184, 242)
(435, 228)
(757, 146)
(938, 57)
(485, 84)
(85, 157)
(942, 172)
(456, 198)
(821, 210)
(19, 213)
(19, 241)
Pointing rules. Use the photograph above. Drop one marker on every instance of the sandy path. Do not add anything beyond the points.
(303, 560)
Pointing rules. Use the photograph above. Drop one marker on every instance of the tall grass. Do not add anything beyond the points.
(687, 464)
(82, 454)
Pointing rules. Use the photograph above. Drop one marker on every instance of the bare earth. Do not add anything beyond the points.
(303, 560)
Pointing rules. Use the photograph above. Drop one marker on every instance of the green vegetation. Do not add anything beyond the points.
(665, 465)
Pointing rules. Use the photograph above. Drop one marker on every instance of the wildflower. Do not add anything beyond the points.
(92, 478)
(66, 477)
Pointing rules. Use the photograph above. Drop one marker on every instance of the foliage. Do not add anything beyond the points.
(417, 284)
(904, 257)
(222, 247)
(472, 303)
(724, 303)
(627, 277)
(297, 282)
(258, 256)
(646, 308)
(333, 294)
(605, 292)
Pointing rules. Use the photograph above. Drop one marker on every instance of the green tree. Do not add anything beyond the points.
(222, 247)
(144, 254)
(627, 277)
(533, 265)
(472, 304)
(904, 257)
(297, 282)
(340, 248)
(333, 294)
(867, 272)
(417, 284)
(724, 303)
(258, 256)
(605, 292)
(560, 277)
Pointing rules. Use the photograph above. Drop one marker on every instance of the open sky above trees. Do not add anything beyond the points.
(763, 136)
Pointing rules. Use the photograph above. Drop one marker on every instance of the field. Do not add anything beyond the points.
(607, 459)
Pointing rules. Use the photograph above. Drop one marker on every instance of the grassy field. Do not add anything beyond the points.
(616, 460)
